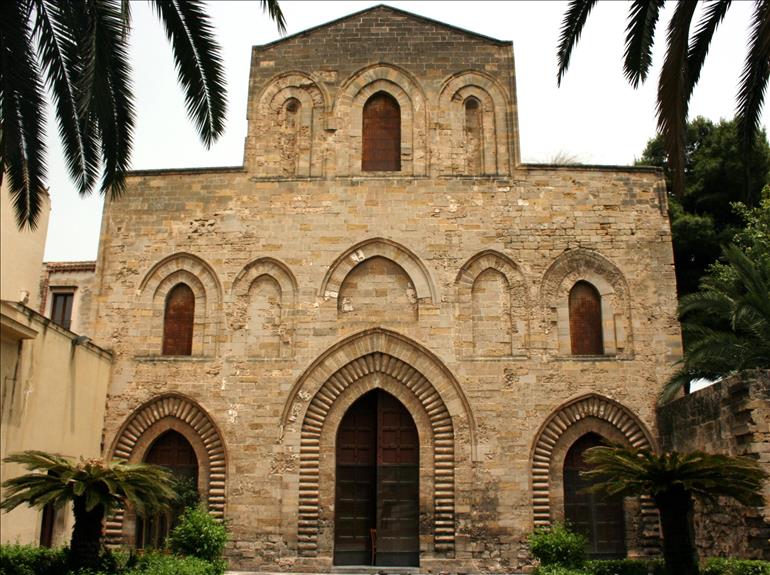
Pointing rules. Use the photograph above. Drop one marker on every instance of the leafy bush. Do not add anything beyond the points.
(559, 570)
(28, 560)
(624, 567)
(159, 564)
(557, 545)
(198, 534)
(723, 566)
(186, 493)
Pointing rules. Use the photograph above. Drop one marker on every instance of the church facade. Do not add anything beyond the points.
(383, 340)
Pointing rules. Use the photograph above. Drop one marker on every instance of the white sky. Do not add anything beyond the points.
(595, 115)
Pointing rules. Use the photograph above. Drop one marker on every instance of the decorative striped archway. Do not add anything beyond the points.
(570, 417)
(567, 415)
(422, 376)
(173, 411)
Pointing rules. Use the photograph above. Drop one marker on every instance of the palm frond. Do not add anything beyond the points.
(99, 484)
(640, 33)
(22, 113)
(198, 63)
(571, 28)
(679, 380)
(628, 471)
(672, 100)
(59, 56)
(276, 15)
(754, 78)
(111, 98)
(713, 15)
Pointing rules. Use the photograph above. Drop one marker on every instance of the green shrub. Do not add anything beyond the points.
(723, 566)
(557, 545)
(186, 493)
(28, 560)
(198, 535)
(559, 570)
(624, 567)
(160, 564)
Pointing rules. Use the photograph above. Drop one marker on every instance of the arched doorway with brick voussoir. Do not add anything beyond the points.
(614, 528)
(185, 435)
(374, 400)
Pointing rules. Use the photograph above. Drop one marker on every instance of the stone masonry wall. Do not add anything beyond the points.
(391, 281)
(533, 220)
(731, 417)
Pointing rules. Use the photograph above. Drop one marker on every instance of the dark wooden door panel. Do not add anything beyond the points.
(597, 516)
(377, 501)
(356, 483)
(398, 515)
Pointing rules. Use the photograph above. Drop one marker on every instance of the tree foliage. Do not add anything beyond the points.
(674, 480)
(701, 219)
(79, 49)
(95, 488)
(683, 62)
(727, 323)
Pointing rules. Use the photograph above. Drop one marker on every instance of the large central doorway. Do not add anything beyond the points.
(377, 495)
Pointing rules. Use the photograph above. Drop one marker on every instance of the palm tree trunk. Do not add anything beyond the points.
(676, 517)
(86, 535)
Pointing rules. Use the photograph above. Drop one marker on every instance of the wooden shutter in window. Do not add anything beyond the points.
(61, 309)
(585, 320)
(178, 321)
(381, 149)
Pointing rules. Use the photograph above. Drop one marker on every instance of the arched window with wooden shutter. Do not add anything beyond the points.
(381, 141)
(585, 320)
(178, 321)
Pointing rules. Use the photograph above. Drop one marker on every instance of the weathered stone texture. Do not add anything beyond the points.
(312, 289)
(731, 417)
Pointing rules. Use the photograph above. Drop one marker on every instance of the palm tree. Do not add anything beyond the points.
(682, 65)
(727, 323)
(81, 47)
(95, 488)
(674, 480)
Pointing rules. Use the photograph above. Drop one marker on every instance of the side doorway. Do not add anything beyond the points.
(377, 490)
(596, 515)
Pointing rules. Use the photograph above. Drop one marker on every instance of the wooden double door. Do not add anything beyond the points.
(377, 492)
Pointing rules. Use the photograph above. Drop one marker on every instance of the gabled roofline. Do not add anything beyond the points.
(259, 47)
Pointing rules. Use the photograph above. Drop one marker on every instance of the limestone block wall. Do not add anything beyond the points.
(306, 100)
(360, 240)
(731, 417)
(444, 284)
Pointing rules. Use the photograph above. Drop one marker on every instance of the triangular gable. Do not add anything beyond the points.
(382, 9)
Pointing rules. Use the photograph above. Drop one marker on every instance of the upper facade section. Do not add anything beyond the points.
(382, 93)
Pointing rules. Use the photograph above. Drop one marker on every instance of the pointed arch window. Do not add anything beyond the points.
(381, 146)
(178, 321)
(585, 319)
(473, 136)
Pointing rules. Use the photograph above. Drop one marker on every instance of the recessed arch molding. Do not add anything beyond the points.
(174, 411)
(588, 411)
(378, 351)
